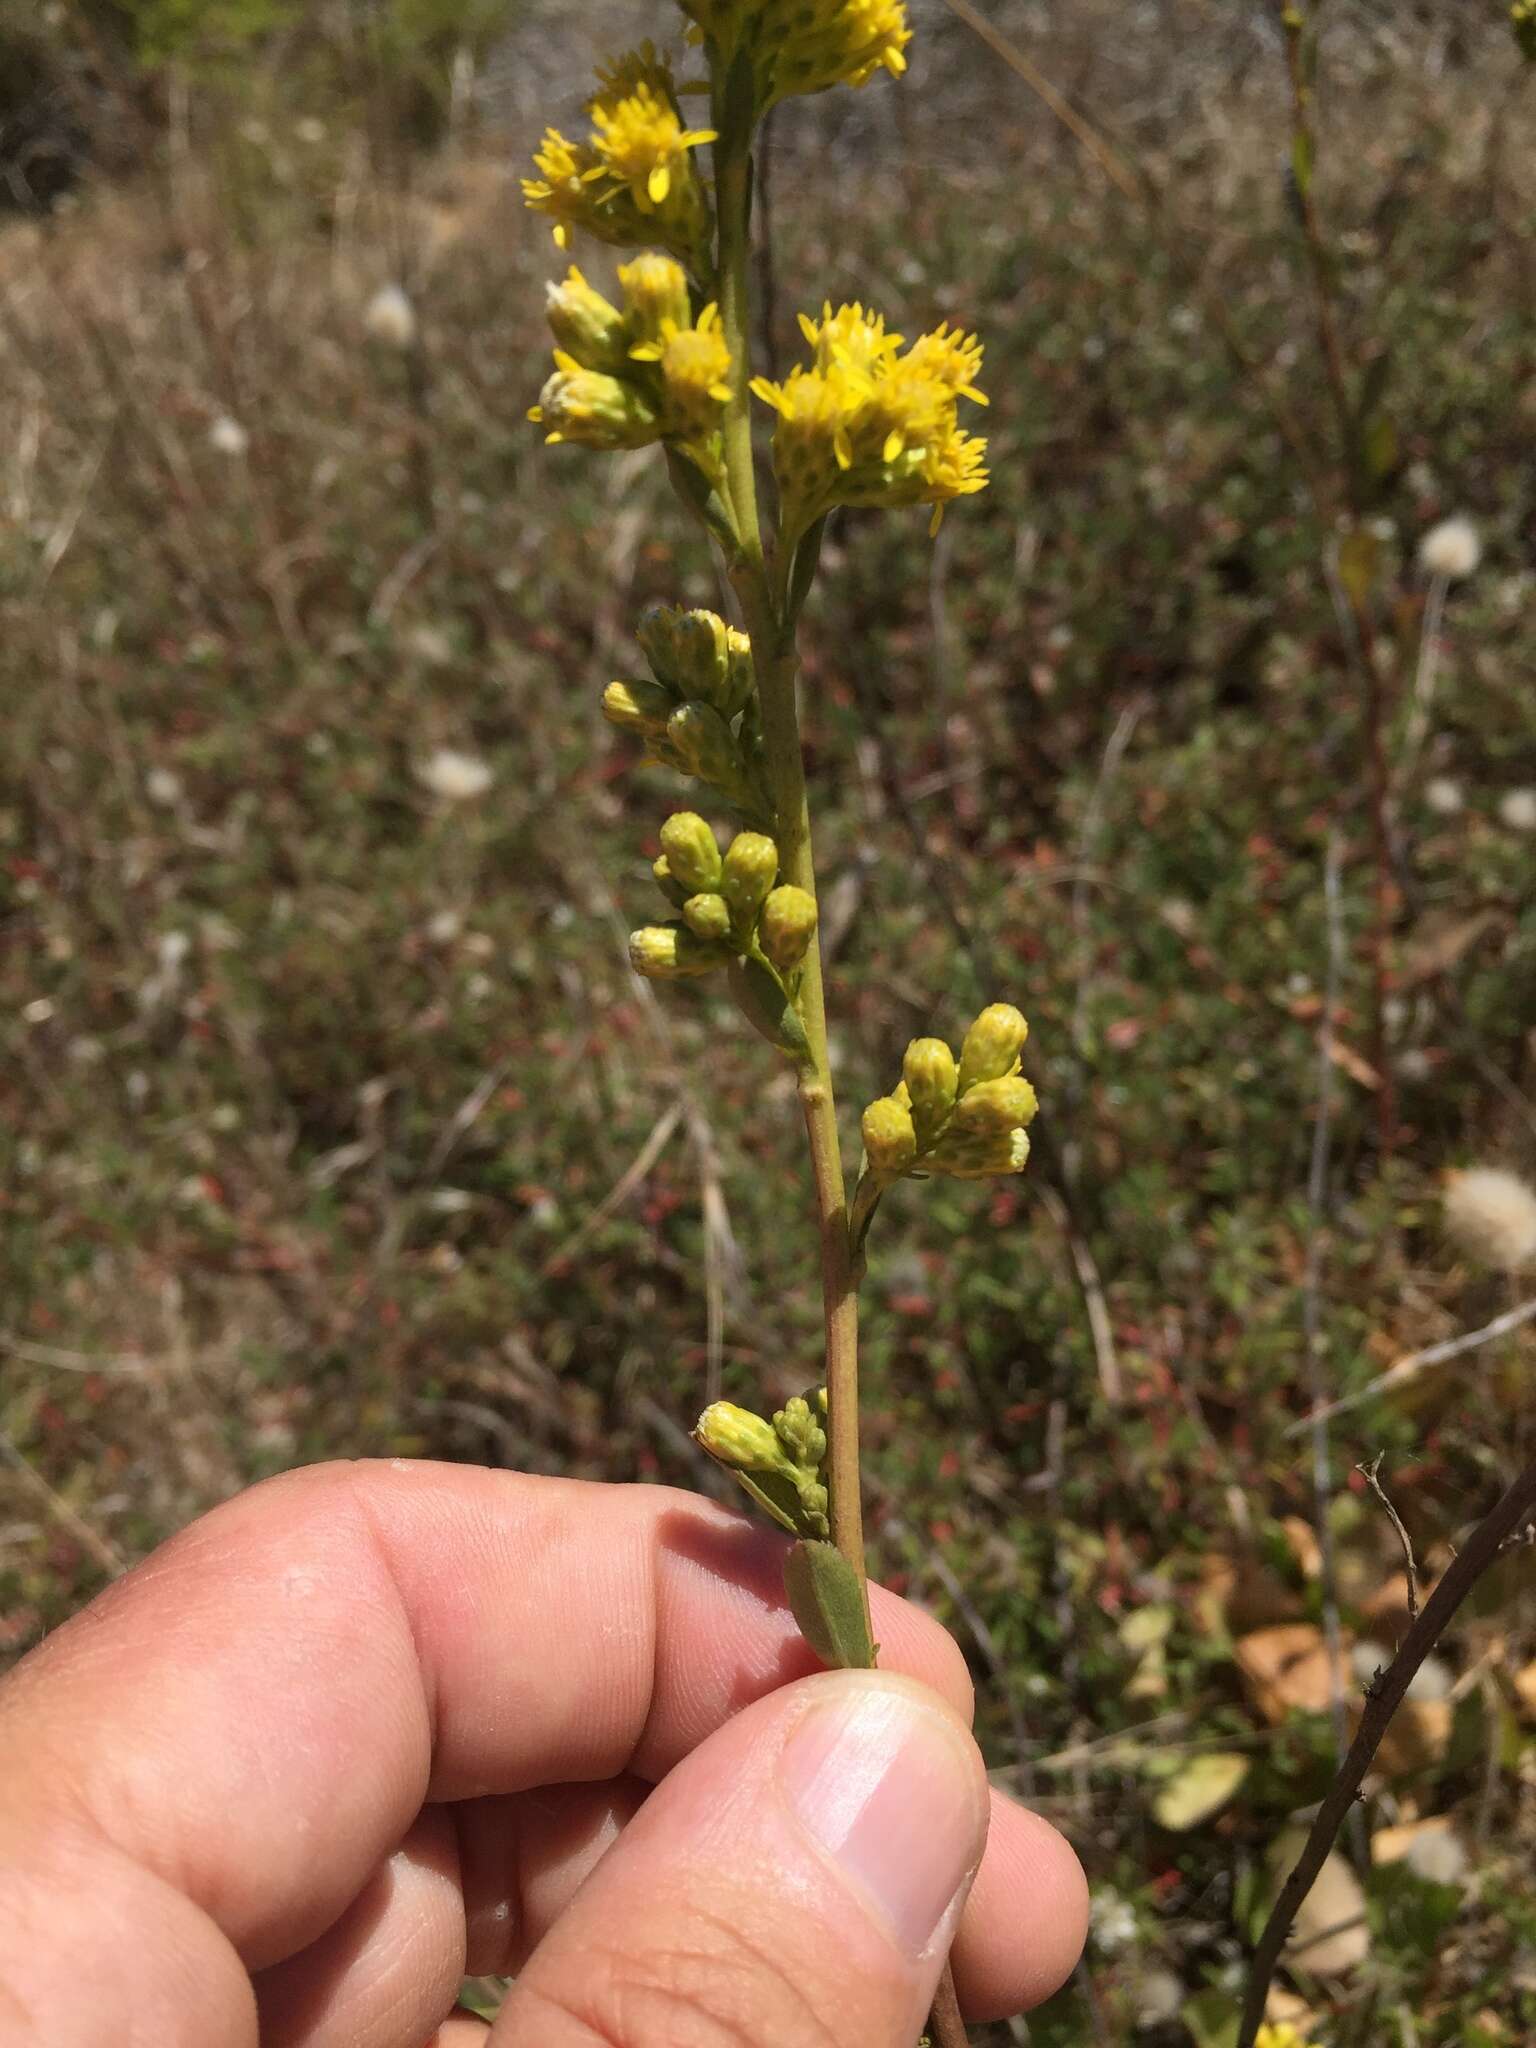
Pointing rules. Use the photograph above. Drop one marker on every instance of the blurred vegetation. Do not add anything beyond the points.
(334, 1123)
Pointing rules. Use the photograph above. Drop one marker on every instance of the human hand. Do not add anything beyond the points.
(367, 1728)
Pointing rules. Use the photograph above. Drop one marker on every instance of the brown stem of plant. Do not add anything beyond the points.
(1383, 1697)
(945, 2025)
(1379, 780)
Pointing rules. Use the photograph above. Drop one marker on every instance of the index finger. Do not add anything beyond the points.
(257, 1713)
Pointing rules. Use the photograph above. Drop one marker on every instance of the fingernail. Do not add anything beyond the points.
(890, 1788)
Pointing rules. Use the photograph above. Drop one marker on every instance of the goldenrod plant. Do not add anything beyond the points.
(867, 419)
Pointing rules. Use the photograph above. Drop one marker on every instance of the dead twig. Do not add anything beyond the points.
(111, 1560)
(1383, 1697)
(1369, 1474)
(1414, 1362)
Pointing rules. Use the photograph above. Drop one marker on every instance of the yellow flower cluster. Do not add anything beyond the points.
(966, 1119)
(798, 46)
(632, 181)
(1280, 2034)
(648, 371)
(730, 908)
(867, 423)
(779, 1462)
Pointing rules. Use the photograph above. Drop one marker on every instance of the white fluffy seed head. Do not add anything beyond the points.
(1491, 1215)
(390, 317)
(1444, 797)
(1451, 549)
(1517, 810)
(228, 436)
(457, 778)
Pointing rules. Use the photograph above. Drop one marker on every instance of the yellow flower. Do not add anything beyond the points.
(871, 425)
(800, 46)
(584, 324)
(694, 364)
(643, 144)
(563, 187)
(655, 291)
(632, 181)
(1280, 2034)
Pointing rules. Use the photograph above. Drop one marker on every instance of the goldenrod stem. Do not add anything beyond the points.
(776, 663)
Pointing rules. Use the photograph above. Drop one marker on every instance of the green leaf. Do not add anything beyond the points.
(774, 1495)
(1359, 557)
(1211, 2017)
(766, 1006)
(827, 1601)
(1378, 445)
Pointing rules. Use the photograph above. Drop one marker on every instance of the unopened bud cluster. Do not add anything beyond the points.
(698, 711)
(967, 1118)
(778, 1462)
(730, 908)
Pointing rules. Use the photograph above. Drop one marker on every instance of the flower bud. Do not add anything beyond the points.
(992, 1045)
(1004, 1105)
(699, 655)
(708, 916)
(928, 1073)
(655, 291)
(596, 410)
(585, 325)
(668, 883)
(702, 741)
(965, 1155)
(654, 632)
(638, 707)
(787, 925)
(736, 1437)
(813, 1505)
(750, 868)
(739, 673)
(890, 1142)
(670, 952)
(691, 850)
(801, 1432)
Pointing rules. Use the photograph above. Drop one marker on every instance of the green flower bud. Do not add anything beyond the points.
(702, 741)
(928, 1074)
(655, 291)
(670, 952)
(691, 850)
(749, 871)
(699, 655)
(595, 410)
(992, 1045)
(787, 925)
(978, 1156)
(583, 323)
(1005, 1105)
(813, 1506)
(736, 1437)
(668, 883)
(708, 916)
(739, 675)
(654, 632)
(801, 1433)
(638, 707)
(890, 1142)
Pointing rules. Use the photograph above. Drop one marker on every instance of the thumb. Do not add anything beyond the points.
(794, 1883)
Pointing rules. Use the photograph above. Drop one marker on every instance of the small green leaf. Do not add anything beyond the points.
(774, 1495)
(1211, 2017)
(1379, 445)
(766, 1006)
(827, 1601)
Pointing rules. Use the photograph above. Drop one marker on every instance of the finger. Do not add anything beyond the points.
(523, 1860)
(390, 1968)
(1026, 1919)
(794, 1881)
(312, 1661)
(463, 2030)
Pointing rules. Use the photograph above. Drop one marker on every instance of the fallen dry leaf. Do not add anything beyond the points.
(1329, 1936)
(1289, 1671)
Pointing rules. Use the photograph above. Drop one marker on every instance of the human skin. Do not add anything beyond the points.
(367, 1728)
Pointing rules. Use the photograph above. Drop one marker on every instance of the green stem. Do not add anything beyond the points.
(777, 662)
